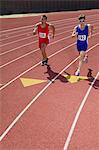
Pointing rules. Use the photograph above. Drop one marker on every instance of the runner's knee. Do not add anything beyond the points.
(43, 46)
(82, 55)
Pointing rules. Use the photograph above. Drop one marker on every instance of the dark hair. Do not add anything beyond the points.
(44, 16)
(82, 16)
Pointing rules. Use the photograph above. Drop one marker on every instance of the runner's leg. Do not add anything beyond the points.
(43, 48)
(81, 58)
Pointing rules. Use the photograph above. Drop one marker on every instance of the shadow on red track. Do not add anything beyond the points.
(91, 78)
(53, 74)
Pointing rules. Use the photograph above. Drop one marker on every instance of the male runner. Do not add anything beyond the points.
(44, 28)
(83, 31)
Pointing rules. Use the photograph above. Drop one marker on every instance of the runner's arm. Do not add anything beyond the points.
(35, 29)
(90, 30)
(52, 28)
(74, 33)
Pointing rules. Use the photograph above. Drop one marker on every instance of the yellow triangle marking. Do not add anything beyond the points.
(28, 82)
(73, 79)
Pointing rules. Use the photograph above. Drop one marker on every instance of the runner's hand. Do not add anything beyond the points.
(34, 33)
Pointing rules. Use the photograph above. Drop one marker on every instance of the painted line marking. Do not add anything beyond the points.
(1, 66)
(3, 53)
(75, 79)
(57, 28)
(8, 63)
(34, 67)
(20, 28)
(78, 114)
(37, 96)
(27, 108)
(33, 100)
(22, 39)
(17, 28)
(32, 42)
(29, 44)
(29, 81)
(67, 25)
(11, 81)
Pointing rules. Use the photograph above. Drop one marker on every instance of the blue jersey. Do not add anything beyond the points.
(82, 38)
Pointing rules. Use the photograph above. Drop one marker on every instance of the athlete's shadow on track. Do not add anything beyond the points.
(91, 78)
(53, 74)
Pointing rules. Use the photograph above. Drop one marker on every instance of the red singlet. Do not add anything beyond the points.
(43, 34)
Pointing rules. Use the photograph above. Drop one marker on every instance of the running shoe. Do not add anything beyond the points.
(44, 62)
(77, 73)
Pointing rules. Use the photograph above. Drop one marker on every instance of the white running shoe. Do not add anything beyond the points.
(77, 73)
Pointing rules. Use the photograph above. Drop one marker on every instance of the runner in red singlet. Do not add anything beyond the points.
(43, 29)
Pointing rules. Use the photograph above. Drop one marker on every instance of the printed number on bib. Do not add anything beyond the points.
(42, 35)
(82, 37)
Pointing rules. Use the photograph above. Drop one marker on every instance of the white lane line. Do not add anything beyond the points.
(11, 81)
(26, 33)
(19, 40)
(22, 39)
(8, 63)
(35, 98)
(3, 53)
(15, 32)
(78, 114)
(32, 28)
(35, 41)
(23, 27)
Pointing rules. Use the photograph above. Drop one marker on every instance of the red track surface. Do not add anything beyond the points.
(48, 123)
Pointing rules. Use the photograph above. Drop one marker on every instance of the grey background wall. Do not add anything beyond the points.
(29, 6)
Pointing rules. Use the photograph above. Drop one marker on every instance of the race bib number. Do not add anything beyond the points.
(82, 37)
(42, 35)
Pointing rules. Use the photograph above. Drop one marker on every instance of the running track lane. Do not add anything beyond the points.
(86, 126)
(13, 71)
(47, 123)
(29, 38)
(10, 23)
(15, 36)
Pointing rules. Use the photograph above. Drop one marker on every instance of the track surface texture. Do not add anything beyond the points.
(56, 114)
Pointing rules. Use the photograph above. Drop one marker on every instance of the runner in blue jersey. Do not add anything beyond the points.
(83, 31)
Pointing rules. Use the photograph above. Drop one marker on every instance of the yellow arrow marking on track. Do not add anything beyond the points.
(28, 82)
(73, 79)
